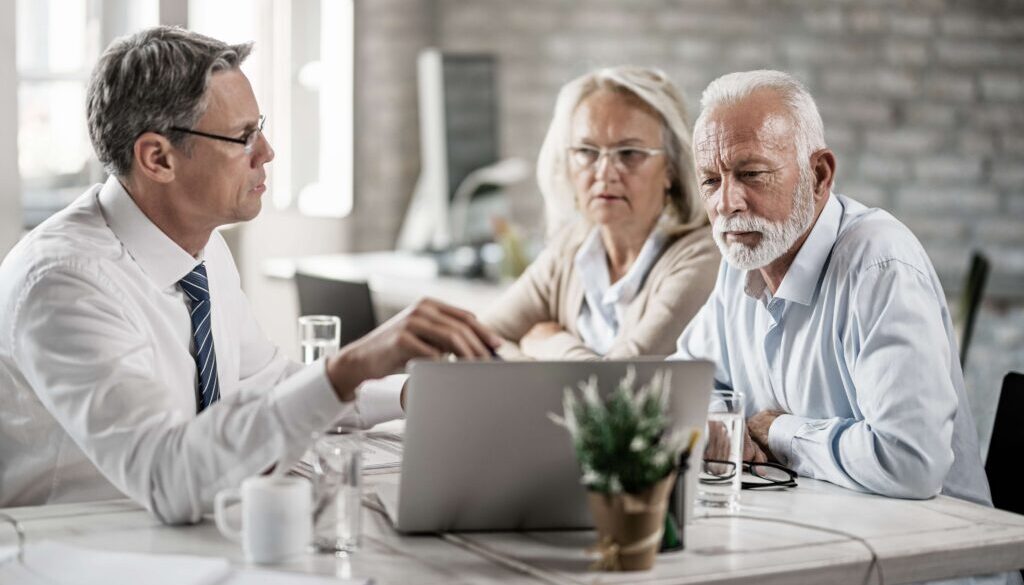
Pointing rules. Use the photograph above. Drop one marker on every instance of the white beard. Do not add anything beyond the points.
(776, 237)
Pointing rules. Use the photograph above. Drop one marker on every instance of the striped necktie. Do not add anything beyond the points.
(196, 287)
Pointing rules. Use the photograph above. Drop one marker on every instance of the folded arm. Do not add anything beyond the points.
(897, 354)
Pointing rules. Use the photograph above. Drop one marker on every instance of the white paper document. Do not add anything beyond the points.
(381, 450)
(54, 563)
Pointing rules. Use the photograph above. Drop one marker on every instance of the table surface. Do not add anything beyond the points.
(396, 279)
(914, 540)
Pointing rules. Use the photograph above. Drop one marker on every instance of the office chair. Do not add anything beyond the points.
(1006, 446)
(970, 300)
(349, 300)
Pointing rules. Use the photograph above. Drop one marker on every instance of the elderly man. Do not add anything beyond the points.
(130, 361)
(827, 314)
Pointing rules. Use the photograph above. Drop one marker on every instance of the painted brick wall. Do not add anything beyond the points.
(389, 36)
(923, 100)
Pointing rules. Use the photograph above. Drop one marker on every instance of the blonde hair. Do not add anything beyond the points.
(651, 88)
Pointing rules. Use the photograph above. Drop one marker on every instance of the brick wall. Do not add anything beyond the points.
(922, 99)
(389, 36)
(923, 102)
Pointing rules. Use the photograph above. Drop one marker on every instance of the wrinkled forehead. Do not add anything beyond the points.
(614, 115)
(728, 135)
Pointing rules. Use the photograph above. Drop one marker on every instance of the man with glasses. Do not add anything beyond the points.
(130, 361)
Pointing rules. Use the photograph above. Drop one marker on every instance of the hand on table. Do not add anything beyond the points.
(757, 434)
(429, 328)
(539, 333)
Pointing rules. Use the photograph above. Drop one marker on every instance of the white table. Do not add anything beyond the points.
(915, 540)
(396, 279)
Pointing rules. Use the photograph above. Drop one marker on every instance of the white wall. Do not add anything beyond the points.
(10, 189)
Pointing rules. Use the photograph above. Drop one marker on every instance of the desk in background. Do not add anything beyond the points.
(396, 279)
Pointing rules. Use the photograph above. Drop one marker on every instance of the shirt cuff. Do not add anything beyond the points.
(780, 436)
(380, 400)
(307, 402)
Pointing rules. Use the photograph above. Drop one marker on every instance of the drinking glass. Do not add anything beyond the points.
(337, 488)
(319, 335)
(722, 467)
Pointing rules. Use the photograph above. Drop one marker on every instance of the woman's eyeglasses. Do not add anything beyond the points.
(765, 475)
(626, 159)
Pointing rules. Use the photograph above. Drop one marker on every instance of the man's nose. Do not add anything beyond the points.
(732, 198)
(264, 152)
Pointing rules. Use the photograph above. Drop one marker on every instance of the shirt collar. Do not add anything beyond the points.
(801, 279)
(592, 265)
(164, 261)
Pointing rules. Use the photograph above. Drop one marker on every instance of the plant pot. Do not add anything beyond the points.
(629, 526)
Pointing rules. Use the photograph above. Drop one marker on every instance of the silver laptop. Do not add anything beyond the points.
(481, 454)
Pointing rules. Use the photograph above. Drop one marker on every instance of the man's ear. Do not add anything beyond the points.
(155, 158)
(823, 165)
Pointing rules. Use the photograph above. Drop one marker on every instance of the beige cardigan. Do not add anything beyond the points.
(675, 289)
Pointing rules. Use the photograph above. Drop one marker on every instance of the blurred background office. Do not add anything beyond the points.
(923, 102)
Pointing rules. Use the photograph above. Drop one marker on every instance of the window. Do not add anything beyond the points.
(302, 73)
(301, 70)
(58, 42)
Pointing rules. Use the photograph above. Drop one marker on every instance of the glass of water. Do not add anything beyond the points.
(319, 335)
(337, 489)
(722, 468)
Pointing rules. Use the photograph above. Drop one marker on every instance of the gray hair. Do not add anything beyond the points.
(735, 87)
(653, 89)
(150, 82)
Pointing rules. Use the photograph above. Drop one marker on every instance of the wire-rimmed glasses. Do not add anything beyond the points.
(247, 140)
(767, 474)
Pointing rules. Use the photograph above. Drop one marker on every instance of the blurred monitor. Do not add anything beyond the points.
(458, 113)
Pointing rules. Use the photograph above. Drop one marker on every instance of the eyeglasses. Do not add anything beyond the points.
(248, 140)
(626, 159)
(768, 475)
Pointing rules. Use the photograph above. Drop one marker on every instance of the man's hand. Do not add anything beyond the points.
(718, 447)
(429, 328)
(757, 432)
(537, 334)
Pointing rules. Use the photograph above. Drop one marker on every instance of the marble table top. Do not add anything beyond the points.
(829, 542)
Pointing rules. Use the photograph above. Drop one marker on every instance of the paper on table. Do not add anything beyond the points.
(267, 577)
(54, 563)
(381, 450)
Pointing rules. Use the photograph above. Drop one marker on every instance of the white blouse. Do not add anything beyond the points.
(605, 303)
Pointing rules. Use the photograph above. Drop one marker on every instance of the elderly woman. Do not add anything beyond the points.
(629, 267)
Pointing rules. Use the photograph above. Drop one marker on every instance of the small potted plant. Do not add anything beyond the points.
(628, 458)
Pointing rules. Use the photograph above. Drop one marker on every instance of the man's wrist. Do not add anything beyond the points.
(344, 370)
(780, 436)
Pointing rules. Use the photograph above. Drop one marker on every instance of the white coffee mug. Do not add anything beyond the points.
(277, 517)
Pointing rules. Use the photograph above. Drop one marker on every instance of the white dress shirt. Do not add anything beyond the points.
(97, 378)
(604, 303)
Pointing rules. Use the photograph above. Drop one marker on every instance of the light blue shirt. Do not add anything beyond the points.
(604, 303)
(857, 344)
